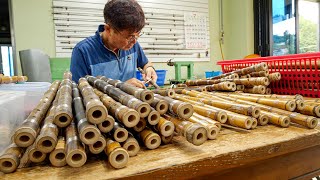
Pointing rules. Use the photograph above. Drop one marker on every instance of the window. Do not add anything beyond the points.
(7, 62)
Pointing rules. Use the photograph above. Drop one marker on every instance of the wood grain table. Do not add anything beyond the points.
(264, 153)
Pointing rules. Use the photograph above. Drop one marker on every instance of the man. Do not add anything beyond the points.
(114, 51)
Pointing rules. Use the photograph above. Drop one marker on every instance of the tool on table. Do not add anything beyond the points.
(149, 80)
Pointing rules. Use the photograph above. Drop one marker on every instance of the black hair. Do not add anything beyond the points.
(124, 15)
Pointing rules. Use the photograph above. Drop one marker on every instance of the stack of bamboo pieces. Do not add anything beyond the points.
(253, 79)
(101, 116)
(12, 79)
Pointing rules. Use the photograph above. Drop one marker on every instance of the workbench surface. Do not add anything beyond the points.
(231, 150)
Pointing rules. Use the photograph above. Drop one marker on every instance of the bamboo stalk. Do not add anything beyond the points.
(212, 130)
(263, 119)
(128, 100)
(118, 157)
(182, 109)
(10, 159)
(164, 127)
(107, 125)
(223, 86)
(142, 94)
(58, 155)
(160, 105)
(131, 145)
(119, 133)
(150, 139)
(194, 133)
(256, 90)
(35, 155)
(88, 133)
(280, 120)
(76, 155)
(141, 125)
(153, 117)
(129, 117)
(313, 110)
(98, 146)
(26, 134)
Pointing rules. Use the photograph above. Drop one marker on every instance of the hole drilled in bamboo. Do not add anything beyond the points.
(199, 136)
(186, 111)
(63, 119)
(148, 97)
(154, 117)
(37, 155)
(97, 145)
(143, 110)
(120, 158)
(7, 164)
(60, 156)
(120, 134)
(89, 135)
(132, 118)
(47, 143)
(167, 128)
(76, 157)
(153, 141)
(106, 123)
(131, 148)
(97, 114)
(24, 138)
(162, 107)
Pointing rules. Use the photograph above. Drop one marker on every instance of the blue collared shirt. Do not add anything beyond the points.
(91, 57)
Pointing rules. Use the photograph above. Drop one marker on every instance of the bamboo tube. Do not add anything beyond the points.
(274, 77)
(142, 108)
(234, 107)
(255, 81)
(14, 79)
(6, 79)
(194, 133)
(131, 145)
(288, 105)
(150, 139)
(210, 121)
(129, 117)
(95, 111)
(118, 157)
(203, 82)
(119, 133)
(35, 155)
(300, 104)
(164, 92)
(142, 94)
(47, 138)
(182, 109)
(164, 127)
(98, 146)
(260, 74)
(240, 87)
(212, 130)
(166, 139)
(10, 158)
(256, 90)
(307, 121)
(153, 117)
(107, 125)
(280, 120)
(88, 133)
(268, 91)
(76, 155)
(181, 85)
(141, 125)
(24, 160)
(263, 119)
(58, 155)
(160, 105)
(313, 110)
(63, 113)
(223, 86)
(26, 134)
(245, 76)
(20, 79)
(254, 123)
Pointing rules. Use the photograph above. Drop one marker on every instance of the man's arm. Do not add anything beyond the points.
(78, 66)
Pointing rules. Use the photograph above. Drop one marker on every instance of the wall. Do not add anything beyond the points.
(33, 26)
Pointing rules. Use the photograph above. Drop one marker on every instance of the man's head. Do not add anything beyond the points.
(124, 20)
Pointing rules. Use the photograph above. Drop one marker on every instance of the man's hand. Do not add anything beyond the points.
(150, 74)
(136, 82)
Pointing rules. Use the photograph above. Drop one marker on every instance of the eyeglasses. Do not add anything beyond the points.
(131, 37)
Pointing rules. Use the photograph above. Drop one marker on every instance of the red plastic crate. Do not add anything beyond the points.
(300, 73)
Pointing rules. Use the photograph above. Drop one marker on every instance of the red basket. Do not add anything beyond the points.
(300, 73)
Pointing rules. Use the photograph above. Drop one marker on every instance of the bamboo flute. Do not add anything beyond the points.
(212, 130)
(150, 139)
(166, 139)
(276, 119)
(26, 134)
(194, 133)
(153, 117)
(223, 86)
(164, 92)
(141, 125)
(255, 90)
(107, 125)
(131, 145)
(142, 94)
(209, 120)
(88, 133)
(119, 133)
(95, 111)
(164, 127)
(76, 155)
(118, 157)
(35, 155)
(182, 109)
(10, 158)
(129, 117)
(128, 100)
(98, 146)
(58, 156)
(313, 110)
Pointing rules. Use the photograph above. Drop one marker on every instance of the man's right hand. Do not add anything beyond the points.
(136, 82)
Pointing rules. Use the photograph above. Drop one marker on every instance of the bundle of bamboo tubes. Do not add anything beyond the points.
(112, 118)
(12, 79)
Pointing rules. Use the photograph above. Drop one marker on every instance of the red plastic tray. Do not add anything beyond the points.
(300, 73)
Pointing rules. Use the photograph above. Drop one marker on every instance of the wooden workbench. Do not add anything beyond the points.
(265, 153)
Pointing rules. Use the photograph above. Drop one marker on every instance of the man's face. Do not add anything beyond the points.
(124, 39)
